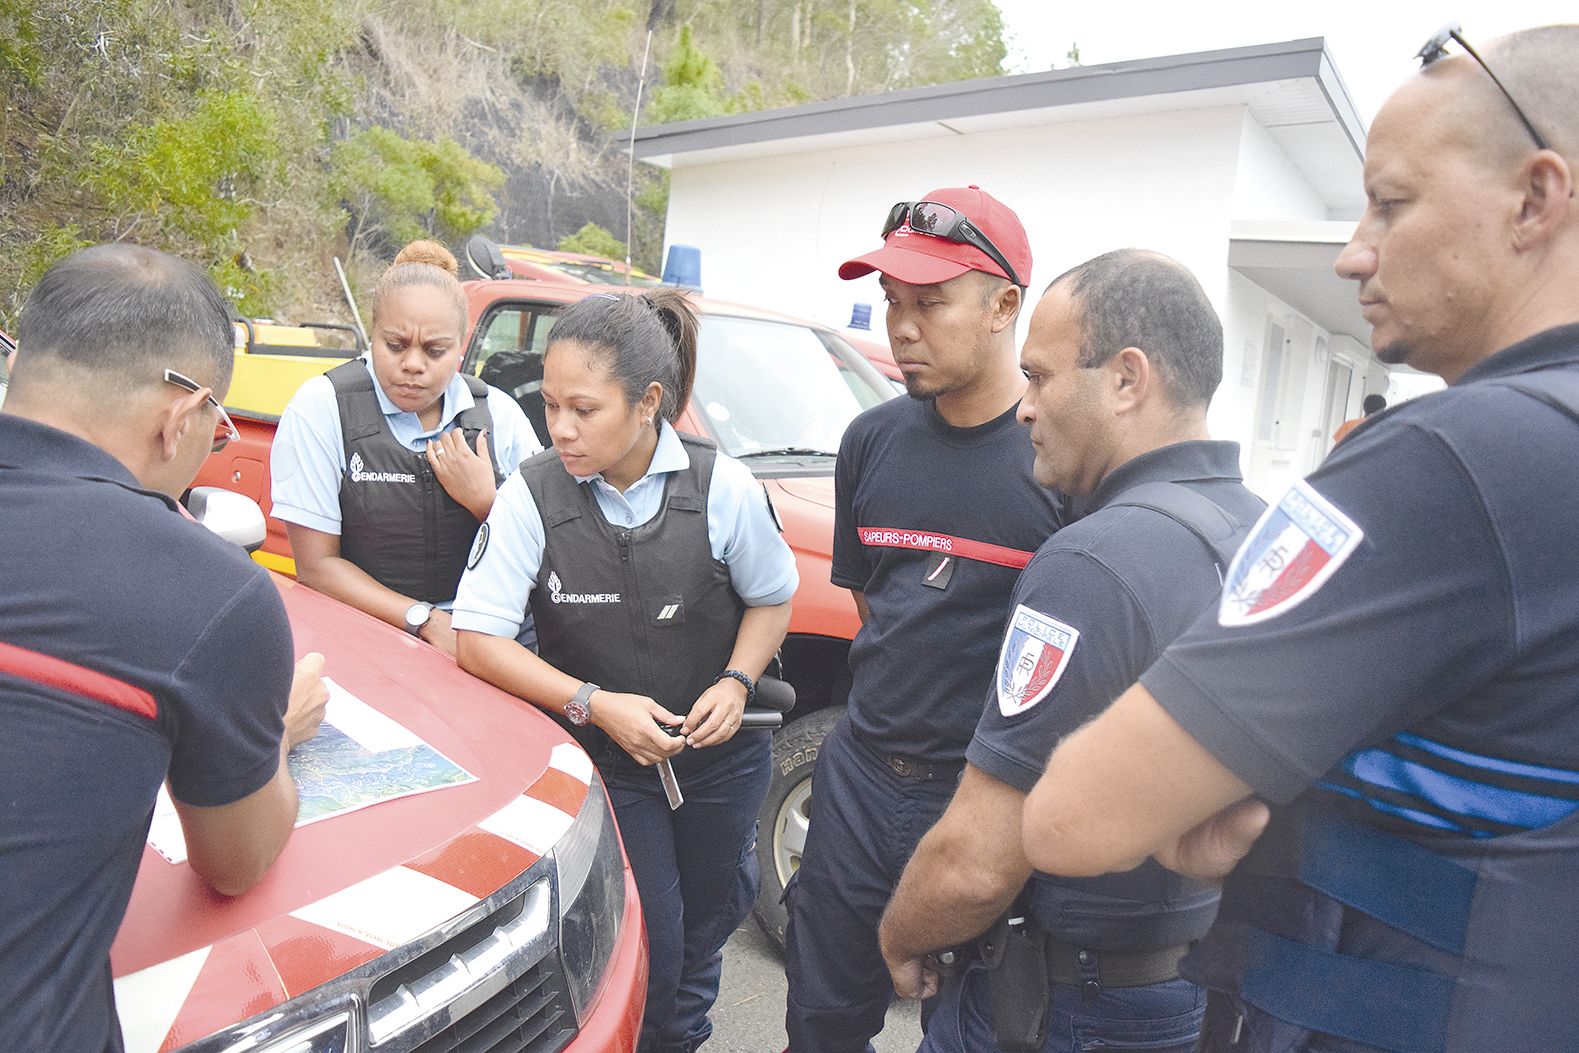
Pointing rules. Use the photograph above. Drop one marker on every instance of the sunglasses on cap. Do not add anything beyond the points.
(224, 428)
(942, 221)
(1436, 48)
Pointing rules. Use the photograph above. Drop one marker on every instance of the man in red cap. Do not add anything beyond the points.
(937, 510)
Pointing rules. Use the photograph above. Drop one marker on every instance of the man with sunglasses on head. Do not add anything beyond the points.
(936, 511)
(1386, 692)
(135, 646)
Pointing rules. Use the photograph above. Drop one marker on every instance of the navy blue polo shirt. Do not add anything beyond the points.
(933, 524)
(1092, 611)
(1401, 633)
(1098, 604)
(134, 645)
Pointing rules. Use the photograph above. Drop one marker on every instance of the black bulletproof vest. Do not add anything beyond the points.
(1149, 907)
(396, 521)
(646, 610)
(1339, 936)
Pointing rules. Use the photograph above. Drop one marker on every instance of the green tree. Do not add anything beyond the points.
(400, 189)
(692, 85)
(593, 240)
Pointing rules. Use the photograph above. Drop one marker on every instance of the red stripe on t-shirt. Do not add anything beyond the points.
(927, 541)
(77, 680)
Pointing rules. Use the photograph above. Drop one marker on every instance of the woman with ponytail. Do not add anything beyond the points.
(384, 466)
(661, 590)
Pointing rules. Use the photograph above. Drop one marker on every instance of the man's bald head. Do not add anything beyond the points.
(1470, 239)
(112, 317)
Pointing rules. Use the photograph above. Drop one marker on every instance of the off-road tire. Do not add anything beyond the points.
(787, 805)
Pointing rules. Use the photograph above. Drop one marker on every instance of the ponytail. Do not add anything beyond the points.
(642, 338)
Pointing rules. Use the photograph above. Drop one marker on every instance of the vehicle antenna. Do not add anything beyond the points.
(630, 171)
(345, 287)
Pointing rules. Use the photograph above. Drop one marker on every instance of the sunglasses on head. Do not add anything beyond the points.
(224, 428)
(1436, 48)
(941, 221)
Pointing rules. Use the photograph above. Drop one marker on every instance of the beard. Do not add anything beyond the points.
(1396, 353)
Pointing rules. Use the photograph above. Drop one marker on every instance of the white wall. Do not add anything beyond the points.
(1267, 185)
(773, 231)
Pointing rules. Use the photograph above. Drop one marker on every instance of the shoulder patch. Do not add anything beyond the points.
(478, 548)
(1294, 548)
(1035, 652)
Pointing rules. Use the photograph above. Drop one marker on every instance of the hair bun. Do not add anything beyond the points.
(431, 253)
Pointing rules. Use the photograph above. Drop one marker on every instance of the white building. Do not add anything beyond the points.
(1244, 164)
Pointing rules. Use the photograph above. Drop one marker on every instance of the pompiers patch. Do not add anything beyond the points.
(1295, 547)
(1035, 652)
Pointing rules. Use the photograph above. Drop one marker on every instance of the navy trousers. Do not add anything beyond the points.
(865, 823)
(1160, 1018)
(696, 872)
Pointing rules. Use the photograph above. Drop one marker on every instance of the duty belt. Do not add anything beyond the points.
(1094, 970)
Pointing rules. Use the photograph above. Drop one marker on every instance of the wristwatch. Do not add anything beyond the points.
(417, 616)
(579, 709)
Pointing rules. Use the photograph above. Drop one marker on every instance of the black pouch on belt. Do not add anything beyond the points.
(1014, 952)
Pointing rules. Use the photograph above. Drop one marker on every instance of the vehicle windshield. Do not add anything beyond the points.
(766, 387)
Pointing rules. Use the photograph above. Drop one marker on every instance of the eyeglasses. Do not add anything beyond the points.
(942, 221)
(1436, 47)
(225, 428)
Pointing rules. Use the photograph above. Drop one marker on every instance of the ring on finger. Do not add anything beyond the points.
(438, 451)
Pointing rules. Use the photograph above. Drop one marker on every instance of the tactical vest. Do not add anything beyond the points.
(1150, 907)
(397, 522)
(646, 609)
(1339, 936)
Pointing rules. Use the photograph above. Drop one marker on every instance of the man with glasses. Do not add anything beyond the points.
(936, 511)
(1392, 668)
(135, 646)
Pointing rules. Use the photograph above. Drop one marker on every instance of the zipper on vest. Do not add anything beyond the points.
(634, 608)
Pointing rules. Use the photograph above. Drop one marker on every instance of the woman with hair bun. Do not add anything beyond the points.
(384, 466)
(661, 590)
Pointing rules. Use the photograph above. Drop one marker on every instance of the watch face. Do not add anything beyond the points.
(417, 616)
(577, 713)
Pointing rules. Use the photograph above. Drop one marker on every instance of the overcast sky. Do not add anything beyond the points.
(1371, 43)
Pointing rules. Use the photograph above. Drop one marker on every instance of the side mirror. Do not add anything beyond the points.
(235, 518)
(485, 259)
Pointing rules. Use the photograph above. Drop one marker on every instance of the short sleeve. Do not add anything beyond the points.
(502, 568)
(852, 568)
(307, 459)
(1416, 616)
(745, 537)
(513, 439)
(1073, 640)
(230, 693)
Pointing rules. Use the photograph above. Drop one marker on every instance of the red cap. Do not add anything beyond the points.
(921, 259)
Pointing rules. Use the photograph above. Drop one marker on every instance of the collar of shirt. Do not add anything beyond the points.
(1558, 346)
(639, 502)
(31, 446)
(1176, 463)
(406, 427)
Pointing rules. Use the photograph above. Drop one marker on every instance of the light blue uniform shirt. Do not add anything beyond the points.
(307, 461)
(493, 597)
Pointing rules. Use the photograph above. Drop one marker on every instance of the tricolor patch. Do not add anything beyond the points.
(1295, 547)
(1035, 652)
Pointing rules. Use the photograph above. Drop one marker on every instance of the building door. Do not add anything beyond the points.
(1334, 405)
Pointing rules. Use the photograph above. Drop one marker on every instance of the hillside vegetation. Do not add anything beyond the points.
(265, 137)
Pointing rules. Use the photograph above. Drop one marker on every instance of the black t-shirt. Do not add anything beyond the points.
(1401, 631)
(133, 644)
(933, 524)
